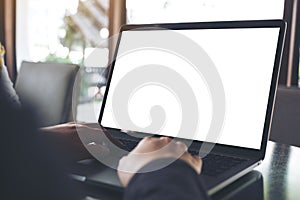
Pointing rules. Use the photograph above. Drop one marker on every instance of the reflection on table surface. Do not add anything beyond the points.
(280, 171)
(278, 177)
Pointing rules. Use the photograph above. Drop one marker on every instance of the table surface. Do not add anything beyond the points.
(278, 177)
(281, 172)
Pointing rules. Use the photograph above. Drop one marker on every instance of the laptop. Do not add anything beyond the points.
(234, 89)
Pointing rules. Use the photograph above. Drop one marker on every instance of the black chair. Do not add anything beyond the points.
(48, 88)
(286, 121)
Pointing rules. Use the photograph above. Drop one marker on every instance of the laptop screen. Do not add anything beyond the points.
(244, 60)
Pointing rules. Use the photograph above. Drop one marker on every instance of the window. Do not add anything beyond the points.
(74, 30)
(69, 31)
(159, 11)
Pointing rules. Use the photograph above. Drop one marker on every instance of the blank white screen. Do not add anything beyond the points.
(244, 59)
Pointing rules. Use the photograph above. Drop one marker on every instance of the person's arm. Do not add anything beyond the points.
(176, 181)
(161, 168)
(67, 138)
(79, 140)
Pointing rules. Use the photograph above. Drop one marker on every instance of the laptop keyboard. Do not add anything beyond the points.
(129, 145)
(213, 164)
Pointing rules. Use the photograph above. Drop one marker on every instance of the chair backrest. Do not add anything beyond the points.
(48, 88)
(286, 121)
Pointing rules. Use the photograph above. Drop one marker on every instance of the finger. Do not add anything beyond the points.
(151, 144)
(194, 162)
(176, 148)
(181, 146)
(166, 139)
(145, 141)
(160, 142)
(198, 163)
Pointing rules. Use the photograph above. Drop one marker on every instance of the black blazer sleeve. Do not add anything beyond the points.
(176, 181)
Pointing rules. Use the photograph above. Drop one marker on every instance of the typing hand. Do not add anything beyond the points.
(149, 147)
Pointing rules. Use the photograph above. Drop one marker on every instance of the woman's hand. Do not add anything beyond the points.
(152, 149)
(66, 136)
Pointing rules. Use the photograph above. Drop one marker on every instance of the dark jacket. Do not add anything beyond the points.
(176, 181)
